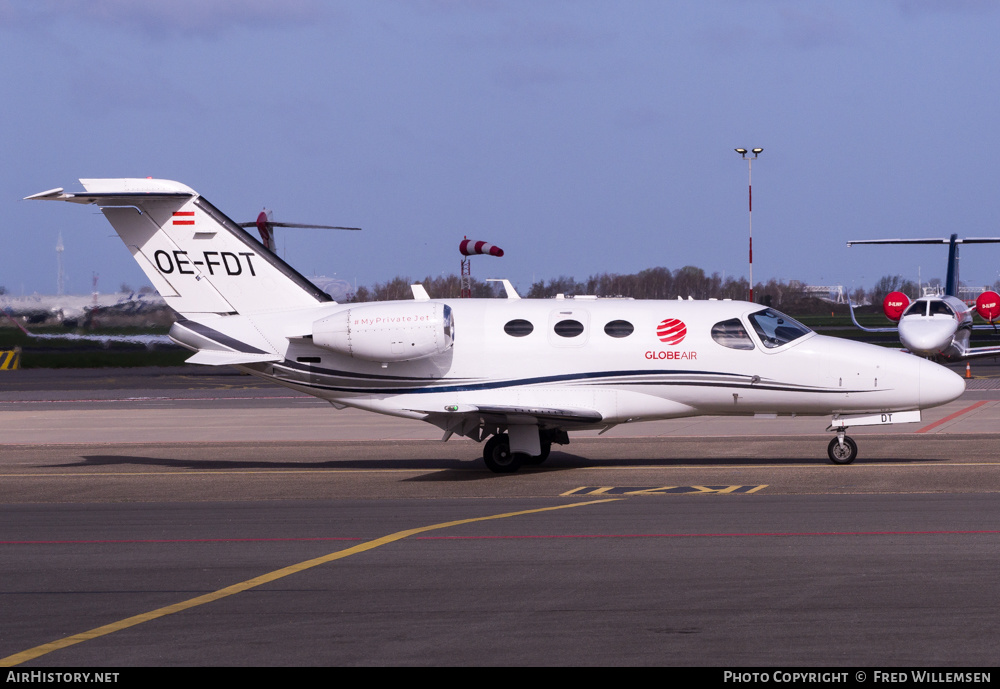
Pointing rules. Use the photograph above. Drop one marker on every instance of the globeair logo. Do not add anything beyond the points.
(671, 331)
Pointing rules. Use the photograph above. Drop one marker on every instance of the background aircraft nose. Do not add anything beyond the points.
(925, 335)
(938, 385)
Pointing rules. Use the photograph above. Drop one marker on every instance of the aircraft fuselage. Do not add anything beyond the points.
(607, 355)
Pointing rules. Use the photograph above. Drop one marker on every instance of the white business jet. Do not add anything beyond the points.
(517, 373)
(939, 326)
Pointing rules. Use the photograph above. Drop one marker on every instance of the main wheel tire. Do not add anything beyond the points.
(842, 454)
(498, 457)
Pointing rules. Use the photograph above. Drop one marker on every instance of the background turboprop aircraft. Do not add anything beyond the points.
(520, 374)
(265, 224)
(148, 341)
(938, 326)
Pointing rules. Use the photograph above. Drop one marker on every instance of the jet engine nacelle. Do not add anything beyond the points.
(988, 305)
(894, 304)
(397, 331)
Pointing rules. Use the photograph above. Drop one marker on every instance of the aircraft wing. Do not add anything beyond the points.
(980, 352)
(850, 304)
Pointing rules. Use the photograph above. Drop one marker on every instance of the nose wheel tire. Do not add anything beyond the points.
(498, 457)
(842, 454)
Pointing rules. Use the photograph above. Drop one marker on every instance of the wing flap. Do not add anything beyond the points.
(520, 415)
(467, 416)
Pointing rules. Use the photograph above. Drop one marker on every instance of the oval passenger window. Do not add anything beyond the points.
(568, 328)
(619, 328)
(518, 327)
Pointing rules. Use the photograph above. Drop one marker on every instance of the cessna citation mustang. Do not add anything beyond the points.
(939, 327)
(517, 373)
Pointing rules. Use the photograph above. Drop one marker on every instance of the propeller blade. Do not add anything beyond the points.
(312, 227)
(265, 225)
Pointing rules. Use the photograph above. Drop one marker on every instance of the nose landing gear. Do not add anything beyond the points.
(842, 449)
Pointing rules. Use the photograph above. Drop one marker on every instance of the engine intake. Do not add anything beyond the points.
(397, 331)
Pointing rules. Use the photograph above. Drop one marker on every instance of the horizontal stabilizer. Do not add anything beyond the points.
(116, 192)
(932, 240)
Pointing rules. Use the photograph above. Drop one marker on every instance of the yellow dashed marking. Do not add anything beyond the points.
(664, 490)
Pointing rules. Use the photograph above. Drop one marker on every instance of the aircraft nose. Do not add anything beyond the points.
(926, 336)
(938, 385)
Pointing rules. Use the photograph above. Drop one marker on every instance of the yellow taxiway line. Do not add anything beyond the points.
(44, 649)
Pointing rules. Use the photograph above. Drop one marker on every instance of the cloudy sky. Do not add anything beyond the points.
(581, 136)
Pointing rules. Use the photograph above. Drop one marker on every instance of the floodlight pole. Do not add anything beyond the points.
(743, 153)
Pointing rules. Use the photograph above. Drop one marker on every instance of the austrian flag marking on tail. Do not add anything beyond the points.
(671, 331)
(183, 218)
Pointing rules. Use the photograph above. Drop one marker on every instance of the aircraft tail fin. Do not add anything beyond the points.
(198, 259)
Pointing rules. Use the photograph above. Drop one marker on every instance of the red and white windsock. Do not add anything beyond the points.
(469, 247)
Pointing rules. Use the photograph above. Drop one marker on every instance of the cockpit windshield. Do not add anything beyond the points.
(776, 329)
(929, 307)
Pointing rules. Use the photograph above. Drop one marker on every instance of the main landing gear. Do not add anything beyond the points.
(500, 460)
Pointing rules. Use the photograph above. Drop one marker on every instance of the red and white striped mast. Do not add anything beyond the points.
(743, 153)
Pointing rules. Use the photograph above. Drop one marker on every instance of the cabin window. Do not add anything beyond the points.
(619, 328)
(776, 329)
(518, 327)
(568, 328)
(732, 334)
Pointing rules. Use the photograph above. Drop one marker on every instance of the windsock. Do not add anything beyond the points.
(469, 247)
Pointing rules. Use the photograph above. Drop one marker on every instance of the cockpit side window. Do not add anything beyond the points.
(917, 308)
(939, 307)
(776, 329)
(732, 334)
